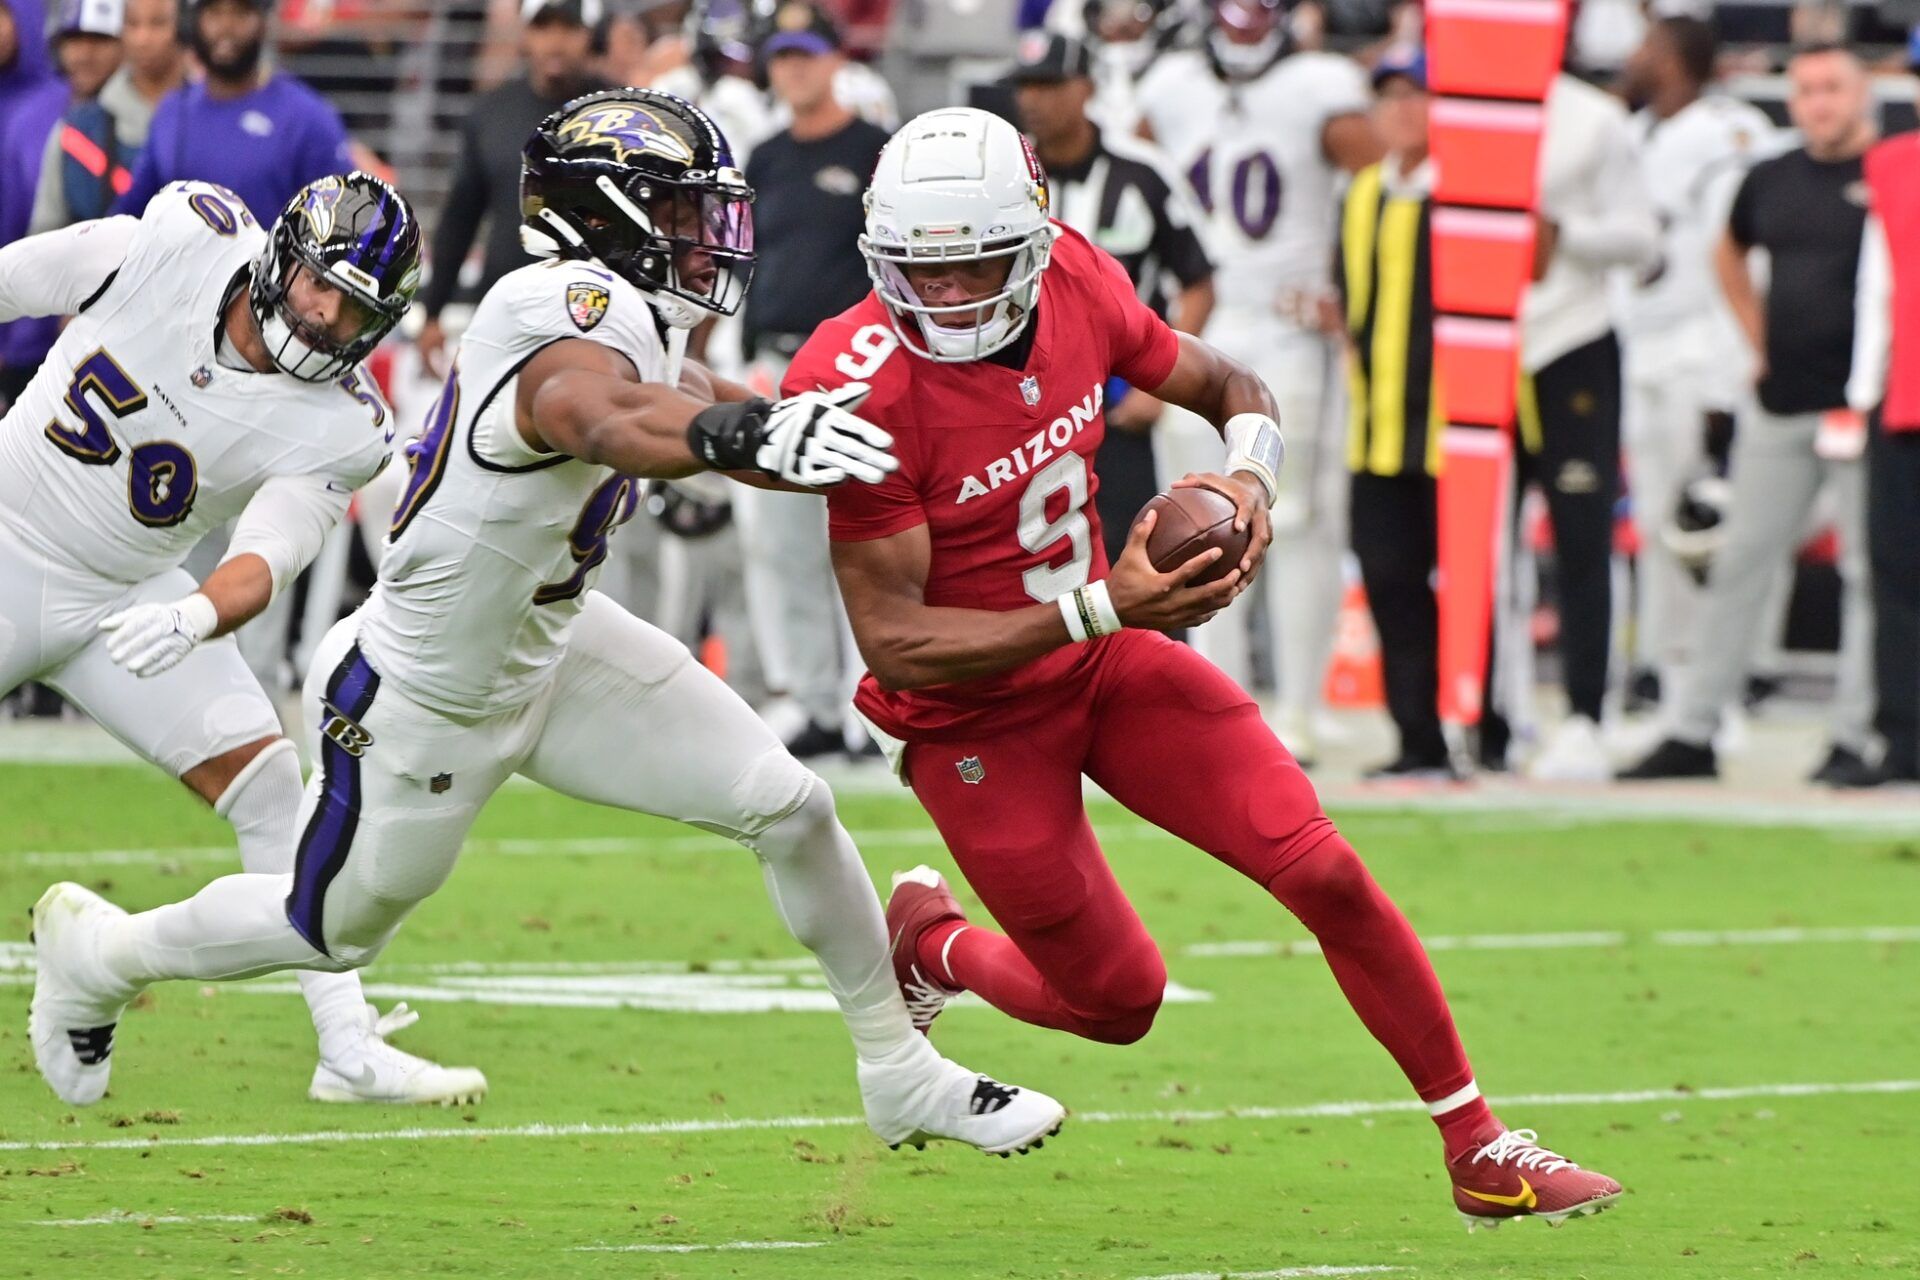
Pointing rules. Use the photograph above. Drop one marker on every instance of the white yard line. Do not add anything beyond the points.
(1284, 1273)
(126, 1217)
(1588, 938)
(1731, 1093)
(733, 1246)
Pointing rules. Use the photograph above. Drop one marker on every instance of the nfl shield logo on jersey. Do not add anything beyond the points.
(1030, 390)
(200, 377)
(587, 304)
(972, 772)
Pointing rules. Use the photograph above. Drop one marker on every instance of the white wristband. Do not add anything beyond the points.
(1089, 612)
(1254, 445)
(199, 614)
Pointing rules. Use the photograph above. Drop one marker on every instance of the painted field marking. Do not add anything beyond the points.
(735, 1246)
(1317, 1110)
(126, 1217)
(1284, 1273)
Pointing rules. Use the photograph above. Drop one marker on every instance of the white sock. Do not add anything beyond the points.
(263, 804)
(823, 895)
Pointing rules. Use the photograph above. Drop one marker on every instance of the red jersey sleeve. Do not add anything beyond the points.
(842, 351)
(1144, 346)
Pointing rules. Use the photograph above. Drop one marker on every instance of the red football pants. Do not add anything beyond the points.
(1165, 733)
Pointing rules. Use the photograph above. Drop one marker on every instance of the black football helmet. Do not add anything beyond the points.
(1697, 529)
(644, 183)
(1245, 37)
(356, 233)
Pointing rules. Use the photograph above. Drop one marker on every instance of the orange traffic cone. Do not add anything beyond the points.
(1354, 680)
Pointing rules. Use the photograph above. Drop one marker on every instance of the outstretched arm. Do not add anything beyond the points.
(278, 535)
(57, 273)
(586, 400)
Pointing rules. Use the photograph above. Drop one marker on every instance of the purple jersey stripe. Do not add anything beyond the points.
(328, 837)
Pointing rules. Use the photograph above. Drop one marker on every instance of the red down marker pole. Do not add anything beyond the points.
(1490, 64)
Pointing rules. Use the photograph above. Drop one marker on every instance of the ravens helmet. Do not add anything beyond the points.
(1245, 37)
(1697, 529)
(644, 183)
(355, 233)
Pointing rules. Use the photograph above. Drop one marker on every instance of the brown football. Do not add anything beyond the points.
(1191, 521)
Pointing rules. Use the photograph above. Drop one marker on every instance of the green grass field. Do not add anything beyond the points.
(577, 956)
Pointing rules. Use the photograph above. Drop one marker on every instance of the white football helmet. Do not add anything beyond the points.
(957, 184)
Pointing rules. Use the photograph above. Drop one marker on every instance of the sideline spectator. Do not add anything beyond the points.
(1807, 210)
(1393, 446)
(1694, 147)
(1122, 195)
(1263, 133)
(1595, 217)
(556, 44)
(1886, 378)
(808, 181)
(83, 167)
(31, 99)
(260, 133)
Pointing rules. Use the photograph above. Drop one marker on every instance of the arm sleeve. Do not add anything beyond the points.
(1143, 347)
(285, 523)
(50, 197)
(859, 512)
(1617, 227)
(1872, 320)
(459, 224)
(57, 273)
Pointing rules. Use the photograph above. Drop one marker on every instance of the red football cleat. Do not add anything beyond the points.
(1507, 1174)
(920, 901)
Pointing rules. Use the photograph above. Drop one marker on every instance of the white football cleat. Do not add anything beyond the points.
(375, 1071)
(923, 1097)
(1575, 753)
(75, 1006)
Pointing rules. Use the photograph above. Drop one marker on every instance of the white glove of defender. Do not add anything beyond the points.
(150, 638)
(814, 439)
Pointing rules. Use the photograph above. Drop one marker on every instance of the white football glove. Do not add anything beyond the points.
(150, 638)
(814, 439)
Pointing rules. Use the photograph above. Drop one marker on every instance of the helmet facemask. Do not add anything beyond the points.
(953, 333)
(304, 350)
(1261, 20)
(689, 245)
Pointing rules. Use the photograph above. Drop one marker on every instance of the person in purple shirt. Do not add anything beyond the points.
(31, 100)
(260, 133)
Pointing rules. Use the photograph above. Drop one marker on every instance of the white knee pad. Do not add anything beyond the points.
(345, 956)
(774, 789)
(251, 774)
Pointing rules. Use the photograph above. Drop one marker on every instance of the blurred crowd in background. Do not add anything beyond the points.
(1717, 513)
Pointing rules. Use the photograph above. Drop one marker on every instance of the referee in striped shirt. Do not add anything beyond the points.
(1385, 278)
(1119, 193)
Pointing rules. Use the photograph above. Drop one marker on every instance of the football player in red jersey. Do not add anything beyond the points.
(1006, 659)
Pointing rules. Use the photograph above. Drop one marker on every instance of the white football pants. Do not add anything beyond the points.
(628, 720)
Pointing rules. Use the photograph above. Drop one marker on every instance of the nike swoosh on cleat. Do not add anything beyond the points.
(1525, 1200)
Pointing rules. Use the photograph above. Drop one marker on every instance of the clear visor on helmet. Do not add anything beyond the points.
(973, 323)
(707, 236)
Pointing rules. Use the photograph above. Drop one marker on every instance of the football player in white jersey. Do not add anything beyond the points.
(1682, 354)
(484, 651)
(211, 371)
(1263, 133)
